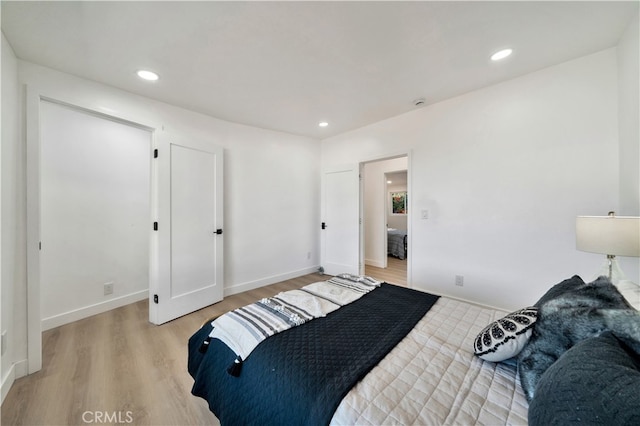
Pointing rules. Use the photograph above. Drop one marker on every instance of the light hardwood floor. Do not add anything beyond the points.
(117, 362)
(395, 272)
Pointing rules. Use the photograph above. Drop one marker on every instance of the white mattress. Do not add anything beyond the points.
(433, 378)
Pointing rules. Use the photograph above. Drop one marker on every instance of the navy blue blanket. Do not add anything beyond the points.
(299, 376)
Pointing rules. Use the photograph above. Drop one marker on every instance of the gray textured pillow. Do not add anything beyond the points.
(597, 382)
(505, 338)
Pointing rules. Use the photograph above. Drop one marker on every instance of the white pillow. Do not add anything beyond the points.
(505, 338)
(630, 291)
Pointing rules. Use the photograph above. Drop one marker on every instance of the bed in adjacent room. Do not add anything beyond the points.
(397, 243)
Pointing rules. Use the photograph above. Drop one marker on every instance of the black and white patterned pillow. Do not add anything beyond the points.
(505, 338)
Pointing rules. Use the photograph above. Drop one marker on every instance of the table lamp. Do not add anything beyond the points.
(611, 235)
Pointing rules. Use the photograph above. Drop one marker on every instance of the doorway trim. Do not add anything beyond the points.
(391, 156)
(34, 96)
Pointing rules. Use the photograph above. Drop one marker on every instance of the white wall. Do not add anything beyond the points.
(272, 207)
(629, 111)
(375, 206)
(504, 171)
(95, 213)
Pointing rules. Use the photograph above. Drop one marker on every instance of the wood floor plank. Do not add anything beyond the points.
(395, 272)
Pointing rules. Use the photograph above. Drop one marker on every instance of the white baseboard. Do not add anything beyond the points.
(7, 382)
(17, 370)
(98, 308)
(371, 262)
(21, 368)
(87, 311)
(251, 285)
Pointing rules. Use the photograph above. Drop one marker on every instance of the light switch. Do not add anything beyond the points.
(425, 214)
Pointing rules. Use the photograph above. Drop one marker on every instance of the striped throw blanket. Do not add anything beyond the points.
(244, 328)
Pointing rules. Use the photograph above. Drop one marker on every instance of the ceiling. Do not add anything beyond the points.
(397, 178)
(289, 65)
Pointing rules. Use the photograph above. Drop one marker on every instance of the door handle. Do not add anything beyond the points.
(218, 232)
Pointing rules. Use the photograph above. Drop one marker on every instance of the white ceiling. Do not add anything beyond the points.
(288, 65)
(397, 178)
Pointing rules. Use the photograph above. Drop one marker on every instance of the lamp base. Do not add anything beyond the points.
(610, 268)
(629, 289)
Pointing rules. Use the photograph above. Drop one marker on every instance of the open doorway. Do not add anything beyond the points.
(95, 184)
(88, 197)
(385, 213)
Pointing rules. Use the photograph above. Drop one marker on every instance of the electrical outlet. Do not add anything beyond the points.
(108, 288)
(459, 280)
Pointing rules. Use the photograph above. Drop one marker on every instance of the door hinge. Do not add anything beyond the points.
(218, 232)
(155, 299)
(155, 153)
(39, 245)
(324, 225)
(155, 226)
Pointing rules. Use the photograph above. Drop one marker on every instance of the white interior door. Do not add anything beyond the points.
(187, 269)
(340, 238)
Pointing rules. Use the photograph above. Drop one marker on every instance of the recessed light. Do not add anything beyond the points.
(323, 124)
(501, 54)
(148, 75)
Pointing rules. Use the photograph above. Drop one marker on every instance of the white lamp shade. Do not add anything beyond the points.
(614, 235)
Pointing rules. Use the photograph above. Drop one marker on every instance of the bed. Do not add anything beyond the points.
(397, 243)
(429, 376)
